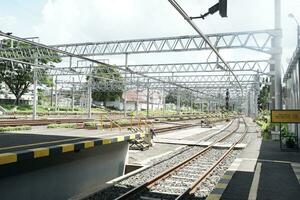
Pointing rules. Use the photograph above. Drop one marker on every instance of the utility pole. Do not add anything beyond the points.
(277, 55)
(276, 89)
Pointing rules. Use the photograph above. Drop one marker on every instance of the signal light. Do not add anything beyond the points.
(223, 8)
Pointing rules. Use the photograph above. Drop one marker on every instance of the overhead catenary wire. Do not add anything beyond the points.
(194, 26)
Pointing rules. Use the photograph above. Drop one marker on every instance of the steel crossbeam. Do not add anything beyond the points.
(201, 78)
(251, 66)
(253, 40)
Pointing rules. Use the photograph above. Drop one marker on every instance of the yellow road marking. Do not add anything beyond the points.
(120, 138)
(40, 152)
(132, 136)
(6, 158)
(213, 197)
(221, 185)
(67, 147)
(106, 141)
(88, 144)
(227, 177)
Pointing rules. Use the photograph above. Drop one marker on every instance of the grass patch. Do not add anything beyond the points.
(122, 122)
(264, 122)
(14, 128)
(65, 125)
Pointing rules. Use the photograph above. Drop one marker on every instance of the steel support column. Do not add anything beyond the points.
(35, 95)
(148, 97)
(163, 99)
(277, 55)
(72, 100)
(89, 101)
(178, 101)
(137, 98)
(125, 96)
(56, 94)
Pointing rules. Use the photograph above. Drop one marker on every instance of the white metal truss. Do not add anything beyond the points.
(145, 76)
(254, 40)
(254, 66)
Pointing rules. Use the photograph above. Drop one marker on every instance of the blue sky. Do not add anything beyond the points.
(21, 15)
(66, 21)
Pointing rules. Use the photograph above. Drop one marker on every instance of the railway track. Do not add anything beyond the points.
(172, 128)
(180, 180)
(38, 122)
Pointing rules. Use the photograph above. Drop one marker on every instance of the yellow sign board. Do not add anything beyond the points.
(285, 116)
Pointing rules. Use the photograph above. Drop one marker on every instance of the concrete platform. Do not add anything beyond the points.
(168, 142)
(18, 147)
(42, 166)
(70, 132)
(262, 172)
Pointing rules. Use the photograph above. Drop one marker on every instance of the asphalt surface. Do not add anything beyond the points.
(12, 142)
(277, 180)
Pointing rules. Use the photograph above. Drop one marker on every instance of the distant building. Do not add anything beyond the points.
(6, 97)
(155, 100)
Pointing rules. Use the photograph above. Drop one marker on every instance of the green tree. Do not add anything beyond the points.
(185, 97)
(17, 76)
(264, 95)
(109, 86)
(171, 97)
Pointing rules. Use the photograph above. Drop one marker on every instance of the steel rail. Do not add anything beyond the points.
(193, 188)
(166, 173)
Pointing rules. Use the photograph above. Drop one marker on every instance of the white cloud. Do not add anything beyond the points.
(7, 22)
(66, 21)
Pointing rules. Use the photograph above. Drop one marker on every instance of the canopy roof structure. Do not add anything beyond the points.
(206, 79)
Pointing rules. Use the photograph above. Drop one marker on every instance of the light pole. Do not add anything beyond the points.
(291, 15)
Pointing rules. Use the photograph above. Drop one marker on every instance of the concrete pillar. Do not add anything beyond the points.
(276, 56)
